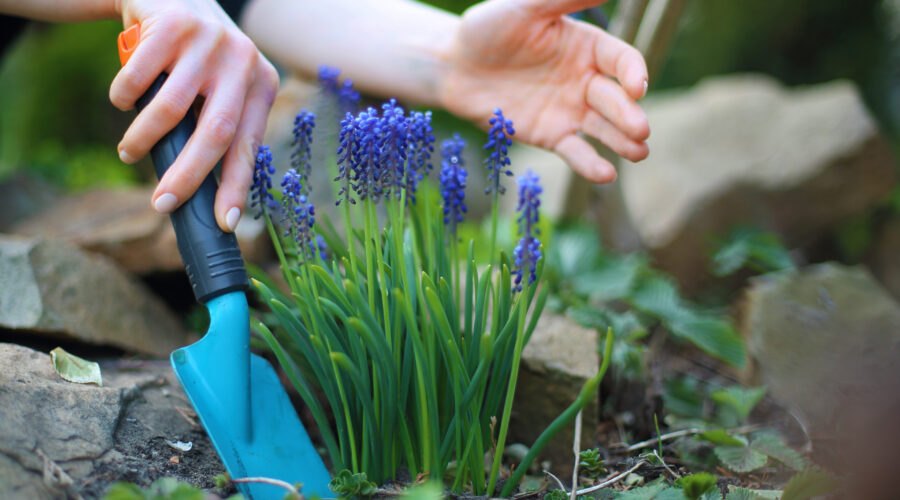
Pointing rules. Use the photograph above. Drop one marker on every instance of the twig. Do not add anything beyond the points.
(663, 462)
(576, 447)
(560, 483)
(684, 432)
(610, 481)
(295, 493)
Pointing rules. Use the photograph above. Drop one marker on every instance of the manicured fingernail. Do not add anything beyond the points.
(645, 88)
(125, 157)
(232, 218)
(165, 203)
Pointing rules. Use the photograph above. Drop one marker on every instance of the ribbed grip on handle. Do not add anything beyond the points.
(211, 256)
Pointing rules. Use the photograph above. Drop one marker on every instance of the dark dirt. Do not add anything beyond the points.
(158, 411)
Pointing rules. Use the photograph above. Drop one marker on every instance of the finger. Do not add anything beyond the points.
(598, 127)
(584, 160)
(547, 8)
(215, 131)
(622, 61)
(153, 55)
(608, 98)
(164, 111)
(237, 167)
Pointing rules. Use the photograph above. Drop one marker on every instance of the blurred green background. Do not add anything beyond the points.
(56, 119)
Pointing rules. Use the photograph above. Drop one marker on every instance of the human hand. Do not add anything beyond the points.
(552, 75)
(205, 55)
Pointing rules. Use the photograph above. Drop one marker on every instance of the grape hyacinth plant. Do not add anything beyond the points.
(414, 351)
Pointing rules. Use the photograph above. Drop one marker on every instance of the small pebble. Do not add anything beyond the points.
(131, 419)
(174, 459)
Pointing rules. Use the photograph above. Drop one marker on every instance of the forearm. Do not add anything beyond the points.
(61, 10)
(394, 48)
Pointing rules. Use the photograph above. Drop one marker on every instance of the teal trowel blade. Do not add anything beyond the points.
(244, 407)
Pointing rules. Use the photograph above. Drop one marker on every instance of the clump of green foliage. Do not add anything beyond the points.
(416, 350)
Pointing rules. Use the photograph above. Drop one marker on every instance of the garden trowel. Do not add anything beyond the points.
(237, 395)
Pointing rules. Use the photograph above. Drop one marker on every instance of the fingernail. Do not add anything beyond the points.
(125, 157)
(232, 218)
(645, 88)
(165, 203)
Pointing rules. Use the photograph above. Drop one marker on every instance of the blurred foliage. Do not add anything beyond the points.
(56, 116)
(753, 248)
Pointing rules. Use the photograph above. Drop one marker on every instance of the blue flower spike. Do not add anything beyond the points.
(498, 144)
(299, 212)
(394, 131)
(453, 182)
(346, 160)
(347, 98)
(421, 145)
(260, 195)
(528, 251)
(301, 157)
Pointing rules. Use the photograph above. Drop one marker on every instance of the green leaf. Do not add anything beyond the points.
(740, 459)
(683, 397)
(124, 491)
(721, 437)
(649, 492)
(696, 485)
(347, 484)
(808, 484)
(717, 337)
(556, 495)
(772, 445)
(739, 399)
(574, 251)
(613, 279)
(588, 316)
(431, 490)
(751, 247)
(75, 369)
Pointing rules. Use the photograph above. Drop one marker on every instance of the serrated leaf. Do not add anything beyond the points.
(683, 397)
(721, 436)
(715, 336)
(588, 316)
(696, 485)
(574, 251)
(775, 447)
(751, 247)
(613, 279)
(740, 459)
(74, 369)
(649, 492)
(739, 399)
(808, 484)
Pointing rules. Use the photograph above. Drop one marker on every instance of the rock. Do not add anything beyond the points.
(826, 341)
(883, 256)
(87, 437)
(54, 289)
(21, 196)
(743, 149)
(121, 224)
(560, 356)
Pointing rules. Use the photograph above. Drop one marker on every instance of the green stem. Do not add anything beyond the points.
(510, 393)
(588, 392)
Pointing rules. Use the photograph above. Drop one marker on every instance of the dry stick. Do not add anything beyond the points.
(576, 447)
(684, 432)
(663, 462)
(611, 481)
(560, 483)
(295, 493)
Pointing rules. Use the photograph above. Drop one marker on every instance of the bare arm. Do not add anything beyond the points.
(61, 10)
(555, 77)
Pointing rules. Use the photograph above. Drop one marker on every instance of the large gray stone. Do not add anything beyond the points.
(63, 440)
(558, 358)
(121, 224)
(48, 421)
(744, 149)
(54, 289)
(826, 342)
(884, 256)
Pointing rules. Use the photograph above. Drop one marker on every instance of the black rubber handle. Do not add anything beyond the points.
(211, 256)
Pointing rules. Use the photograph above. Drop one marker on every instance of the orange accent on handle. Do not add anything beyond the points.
(128, 41)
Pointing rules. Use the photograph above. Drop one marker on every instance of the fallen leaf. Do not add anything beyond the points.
(180, 445)
(75, 369)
